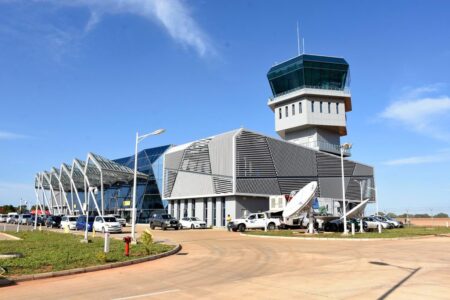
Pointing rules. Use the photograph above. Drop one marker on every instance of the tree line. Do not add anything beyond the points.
(405, 215)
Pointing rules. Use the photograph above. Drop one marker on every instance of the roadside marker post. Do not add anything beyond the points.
(106, 248)
(353, 228)
(379, 228)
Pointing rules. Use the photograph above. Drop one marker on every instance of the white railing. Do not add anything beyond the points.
(325, 146)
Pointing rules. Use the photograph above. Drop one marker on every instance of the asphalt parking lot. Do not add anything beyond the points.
(219, 264)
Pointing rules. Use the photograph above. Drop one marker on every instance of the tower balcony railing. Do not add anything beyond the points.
(330, 88)
(326, 147)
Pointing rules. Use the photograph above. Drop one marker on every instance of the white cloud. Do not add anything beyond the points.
(173, 15)
(6, 135)
(416, 160)
(426, 115)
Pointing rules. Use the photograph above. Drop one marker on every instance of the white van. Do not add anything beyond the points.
(12, 218)
(3, 218)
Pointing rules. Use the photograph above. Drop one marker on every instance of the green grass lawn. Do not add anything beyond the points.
(49, 251)
(391, 233)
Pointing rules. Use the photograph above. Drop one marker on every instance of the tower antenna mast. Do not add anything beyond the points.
(298, 40)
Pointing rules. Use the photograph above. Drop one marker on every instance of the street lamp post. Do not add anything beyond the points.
(344, 147)
(133, 216)
(360, 182)
(376, 199)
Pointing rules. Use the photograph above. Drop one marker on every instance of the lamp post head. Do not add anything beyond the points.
(159, 131)
(346, 146)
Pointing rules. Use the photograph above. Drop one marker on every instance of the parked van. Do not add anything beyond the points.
(12, 218)
(3, 218)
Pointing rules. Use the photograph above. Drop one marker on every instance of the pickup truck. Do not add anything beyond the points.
(254, 221)
(164, 221)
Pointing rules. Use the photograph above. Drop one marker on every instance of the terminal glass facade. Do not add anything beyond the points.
(118, 198)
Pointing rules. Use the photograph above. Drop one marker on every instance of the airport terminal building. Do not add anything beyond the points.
(236, 172)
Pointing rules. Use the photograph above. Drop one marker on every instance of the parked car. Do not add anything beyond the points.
(81, 223)
(53, 221)
(385, 224)
(372, 223)
(338, 225)
(3, 218)
(23, 219)
(12, 218)
(255, 221)
(107, 224)
(40, 221)
(192, 223)
(121, 220)
(69, 221)
(164, 221)
(394, 222)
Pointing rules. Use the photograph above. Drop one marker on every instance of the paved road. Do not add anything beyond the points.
(218, 264)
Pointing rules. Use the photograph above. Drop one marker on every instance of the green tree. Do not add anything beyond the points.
(391, 215)
(421, 216)
(7, 209)
(441, 215)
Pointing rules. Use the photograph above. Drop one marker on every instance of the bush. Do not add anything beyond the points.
(101, 257)
(147, 240)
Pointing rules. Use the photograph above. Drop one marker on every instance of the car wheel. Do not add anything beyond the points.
(241, 227)
(192, 226)
(234, 230)
(271, 226)
(152, 226)
(178, 227)
(163, 227)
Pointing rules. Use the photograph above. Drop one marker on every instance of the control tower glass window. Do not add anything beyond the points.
(280, 114)
(300, 108)
(321, 107)
(312, 106)
(309, 71)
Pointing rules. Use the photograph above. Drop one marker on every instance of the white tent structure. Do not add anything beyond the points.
(89, 177)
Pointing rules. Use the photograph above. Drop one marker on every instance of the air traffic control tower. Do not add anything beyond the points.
(311, 97)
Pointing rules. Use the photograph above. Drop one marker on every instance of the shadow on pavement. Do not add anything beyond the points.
(392, 289)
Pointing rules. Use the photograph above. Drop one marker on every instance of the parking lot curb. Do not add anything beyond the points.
(12, 281)
(336, 239)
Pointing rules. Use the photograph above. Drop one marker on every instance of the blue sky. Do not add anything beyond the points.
(79, 76)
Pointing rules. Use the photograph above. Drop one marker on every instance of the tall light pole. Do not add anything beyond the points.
(133, 212)
(343, 148)
(360, 181)
(376, 198)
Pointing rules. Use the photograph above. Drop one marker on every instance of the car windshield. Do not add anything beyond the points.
(195, 219)
(26, 216)
(109, 219)
(57, 219)
(72, 219)
(166, 217)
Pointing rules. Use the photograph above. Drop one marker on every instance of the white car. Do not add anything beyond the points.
(119, 219)
(372, 223)
(24, 218)
(255, 221)
(12, 218)
(69, 221)
(107, 224)
(394, 223)
(3, 218)
(192, 223)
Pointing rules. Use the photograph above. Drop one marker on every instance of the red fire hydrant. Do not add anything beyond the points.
(127, 241)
